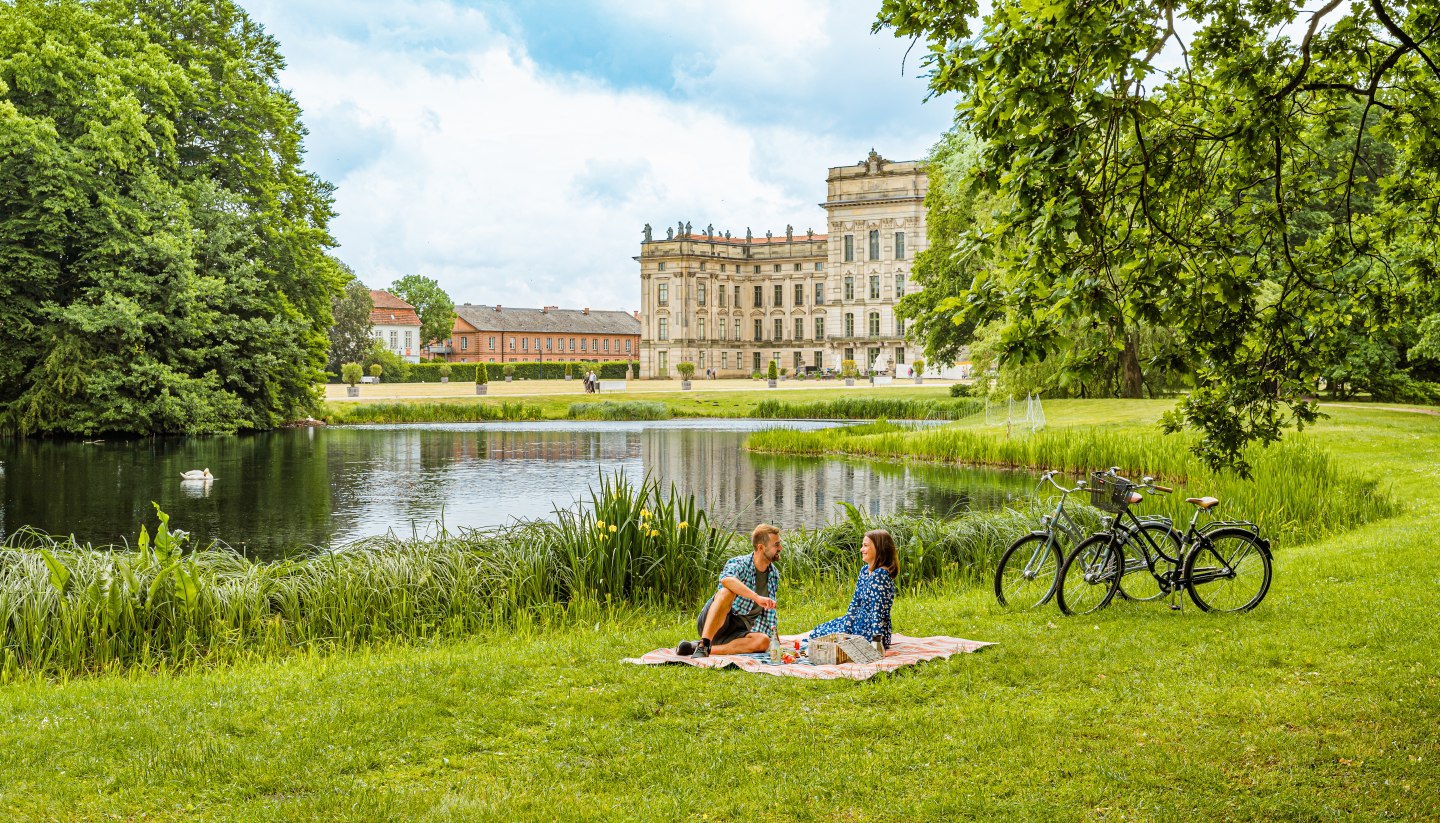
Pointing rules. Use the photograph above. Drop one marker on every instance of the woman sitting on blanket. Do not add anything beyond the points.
(869, 612)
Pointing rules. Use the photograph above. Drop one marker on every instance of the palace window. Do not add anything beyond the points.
(819, 294)
(779, 295)
(849, 324)
(819, 267)
(662, 267)
(899, 285)
(899, 327)
(549, 344)
(524, 344)
(595, 344)
(737, 335)
(779, 329)
(815, 359)
(757, 268)
(700, 294)
(799, 294)
(756, 358)
(409, 337)
(798, 360)
(700, 327)
(849, 287)
(777, 267)
(394, 340)
(663, 335)
(662, 294)
(899, 245)
(759, 296)
(572, 344)
(874, 324)
(849, 248)
(627, 345)
(722, 295)
(819, 328)
(874, 244)
(606, 345)
(874, 287)
(721, 324)
(512, 344)
(799, 328)
(758, 331)
(725, 361)
(900, 355)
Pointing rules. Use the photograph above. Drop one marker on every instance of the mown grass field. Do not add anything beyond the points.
(1321, 705)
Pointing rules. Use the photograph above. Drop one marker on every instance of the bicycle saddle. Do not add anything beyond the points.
(1204, 502)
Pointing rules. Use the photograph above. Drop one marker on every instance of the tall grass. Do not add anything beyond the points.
(622, 410)
(1297, 492)
(869, 408)
(68, 608)
(356, 413)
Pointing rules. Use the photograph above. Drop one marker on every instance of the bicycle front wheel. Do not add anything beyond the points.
(1027, 572)
(1090, 576)
(1160, 552)
(1228, 571)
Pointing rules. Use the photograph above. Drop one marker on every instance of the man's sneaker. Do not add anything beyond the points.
(702, 650)
(685, 648)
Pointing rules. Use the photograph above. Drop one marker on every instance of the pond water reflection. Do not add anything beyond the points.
(279, 491)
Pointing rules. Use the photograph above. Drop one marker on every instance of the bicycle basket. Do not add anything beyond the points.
(1109, 494)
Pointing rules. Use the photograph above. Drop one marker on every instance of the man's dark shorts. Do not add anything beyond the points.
(734, 627)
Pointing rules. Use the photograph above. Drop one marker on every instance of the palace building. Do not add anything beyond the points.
(806, 301)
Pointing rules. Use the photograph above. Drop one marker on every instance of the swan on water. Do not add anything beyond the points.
(197, 474)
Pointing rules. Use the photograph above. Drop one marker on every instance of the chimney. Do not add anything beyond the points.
(497, 307)
(548, 309)
(586, 311)
(636, 313)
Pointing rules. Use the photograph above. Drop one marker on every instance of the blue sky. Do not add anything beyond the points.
(514, 150)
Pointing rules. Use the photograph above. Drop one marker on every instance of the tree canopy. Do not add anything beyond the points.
(350, 337)
(436, 309)
(162, 249)
(1271, 201)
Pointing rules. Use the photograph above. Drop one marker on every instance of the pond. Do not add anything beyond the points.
(277, 492)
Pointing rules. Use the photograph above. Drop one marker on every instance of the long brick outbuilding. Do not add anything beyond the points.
(496, 334)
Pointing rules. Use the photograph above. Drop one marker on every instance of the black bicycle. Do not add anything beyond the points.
(1029, 569)
(1224, 565)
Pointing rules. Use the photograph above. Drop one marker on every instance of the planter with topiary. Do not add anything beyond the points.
(376, 371)
(482, 379)
(687, 371)
(509, 372)
(772, 374)
(919, 367)
(351, 374)
(569, 371)
(444, 372)
(849, 371)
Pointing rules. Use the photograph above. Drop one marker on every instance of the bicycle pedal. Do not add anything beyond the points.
(1174, 607)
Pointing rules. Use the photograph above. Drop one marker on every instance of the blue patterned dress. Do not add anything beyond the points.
(869, 612)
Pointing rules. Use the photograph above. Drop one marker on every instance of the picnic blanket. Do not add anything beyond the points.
(903, 651)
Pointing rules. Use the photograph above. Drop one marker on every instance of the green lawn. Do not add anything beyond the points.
(1323, 704)
(682, 404)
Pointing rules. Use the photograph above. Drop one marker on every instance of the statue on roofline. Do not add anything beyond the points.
(648, 236)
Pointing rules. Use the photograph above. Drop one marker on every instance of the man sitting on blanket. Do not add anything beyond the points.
(737, 619)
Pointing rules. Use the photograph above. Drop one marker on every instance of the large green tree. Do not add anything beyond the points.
(436, 309)
(350, 337)
(1263, 200)
(162, 250)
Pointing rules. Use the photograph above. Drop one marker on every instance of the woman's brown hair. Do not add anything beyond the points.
(885, 557)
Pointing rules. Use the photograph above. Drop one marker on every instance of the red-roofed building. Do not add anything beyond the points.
(396, 325)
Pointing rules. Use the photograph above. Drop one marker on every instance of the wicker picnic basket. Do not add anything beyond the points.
(842, 648)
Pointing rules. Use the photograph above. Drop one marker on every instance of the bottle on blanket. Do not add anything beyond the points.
(775, 653)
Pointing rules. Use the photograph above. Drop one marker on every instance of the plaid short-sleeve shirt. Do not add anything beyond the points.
(742, 568)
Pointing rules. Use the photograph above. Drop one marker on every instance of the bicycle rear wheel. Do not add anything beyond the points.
(1027, 572)
(1228, 571)
(1138, 582)
(1090, 576)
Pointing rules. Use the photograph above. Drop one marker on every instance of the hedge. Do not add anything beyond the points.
(429, 372)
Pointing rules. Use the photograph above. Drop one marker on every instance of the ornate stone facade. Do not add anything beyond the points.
(806, 300)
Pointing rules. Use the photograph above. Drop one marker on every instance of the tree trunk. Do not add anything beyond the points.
(1132, 380)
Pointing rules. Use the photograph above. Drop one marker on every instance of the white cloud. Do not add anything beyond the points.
(457, 157)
